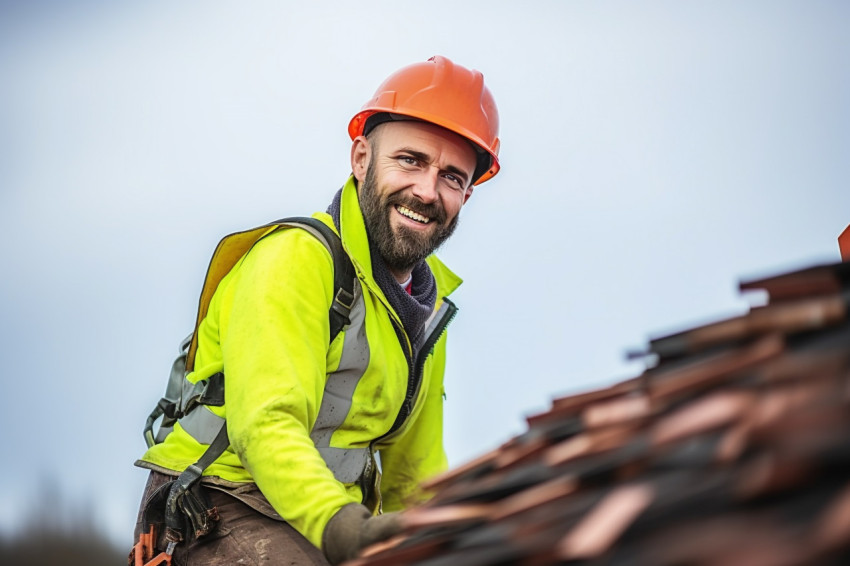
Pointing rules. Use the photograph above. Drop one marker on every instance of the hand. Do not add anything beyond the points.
(354, 528)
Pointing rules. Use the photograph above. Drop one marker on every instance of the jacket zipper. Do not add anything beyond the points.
(414, 381)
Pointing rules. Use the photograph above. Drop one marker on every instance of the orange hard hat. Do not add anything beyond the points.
(844, 244)
(445, 94)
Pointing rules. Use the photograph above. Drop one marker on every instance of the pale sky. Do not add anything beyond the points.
(653, 154)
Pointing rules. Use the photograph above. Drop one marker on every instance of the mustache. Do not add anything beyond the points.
(434, 211)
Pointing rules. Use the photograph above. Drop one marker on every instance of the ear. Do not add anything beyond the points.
(468, 193)
(361, 154)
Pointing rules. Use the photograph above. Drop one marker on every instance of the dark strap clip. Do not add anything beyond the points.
(343, 302)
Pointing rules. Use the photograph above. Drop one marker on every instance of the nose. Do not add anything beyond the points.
(425, 187)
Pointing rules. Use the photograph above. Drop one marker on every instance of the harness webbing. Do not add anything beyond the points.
(212, 392)
(176, 403)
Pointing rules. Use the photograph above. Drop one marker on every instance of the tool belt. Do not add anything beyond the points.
(182, 507)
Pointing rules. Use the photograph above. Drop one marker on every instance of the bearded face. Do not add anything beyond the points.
(413, 178)
(402, 247)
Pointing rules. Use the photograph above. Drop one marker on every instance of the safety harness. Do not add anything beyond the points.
(181, 504)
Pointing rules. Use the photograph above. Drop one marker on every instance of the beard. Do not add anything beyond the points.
(404, 248)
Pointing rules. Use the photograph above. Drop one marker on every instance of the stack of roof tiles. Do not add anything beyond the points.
(733, 448)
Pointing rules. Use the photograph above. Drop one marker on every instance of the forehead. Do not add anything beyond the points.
(441, 145)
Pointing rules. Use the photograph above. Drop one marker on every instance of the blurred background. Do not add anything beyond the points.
(653, 154)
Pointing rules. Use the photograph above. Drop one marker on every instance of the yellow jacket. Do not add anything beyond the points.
(308, 450)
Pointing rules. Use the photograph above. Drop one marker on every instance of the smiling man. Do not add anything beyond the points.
(330, 432)
(425, 173)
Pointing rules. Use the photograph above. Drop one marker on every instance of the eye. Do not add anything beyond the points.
(453, 180)
(408, 160)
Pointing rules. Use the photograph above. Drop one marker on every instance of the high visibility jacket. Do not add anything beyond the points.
(304, 417)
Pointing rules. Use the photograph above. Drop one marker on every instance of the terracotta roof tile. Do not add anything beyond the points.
(732, 448)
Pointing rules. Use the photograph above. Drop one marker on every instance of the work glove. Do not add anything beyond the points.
(354, 528)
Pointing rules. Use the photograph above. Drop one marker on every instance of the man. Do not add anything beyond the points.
(306, 415)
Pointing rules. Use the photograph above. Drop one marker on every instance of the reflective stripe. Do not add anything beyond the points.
(340, 386)
(433, 321)
(347, 464)
(431, 326)
(202, 424)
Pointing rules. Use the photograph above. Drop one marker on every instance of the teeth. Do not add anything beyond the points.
(412, 215)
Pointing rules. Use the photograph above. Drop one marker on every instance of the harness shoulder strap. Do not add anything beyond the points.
(228, 252)
(344, 274)
(231, 248)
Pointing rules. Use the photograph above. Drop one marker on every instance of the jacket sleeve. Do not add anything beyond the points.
(418, 453)
(274, 341)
